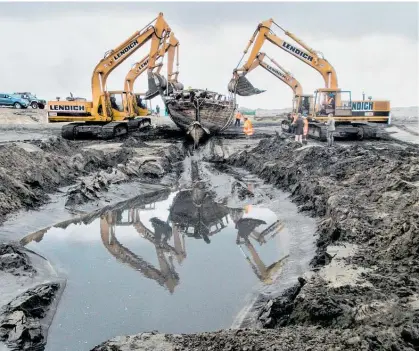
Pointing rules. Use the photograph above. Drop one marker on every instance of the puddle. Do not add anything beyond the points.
(183, 264)
(177, 262)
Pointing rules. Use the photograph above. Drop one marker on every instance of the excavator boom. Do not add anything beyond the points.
(310, 57)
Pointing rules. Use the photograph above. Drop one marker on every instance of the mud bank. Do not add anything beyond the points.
(28, 298)
(30, 171)
(362, 291)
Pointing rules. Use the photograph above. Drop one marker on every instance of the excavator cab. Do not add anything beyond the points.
(334, 101)
(118, 101)
(303, 104)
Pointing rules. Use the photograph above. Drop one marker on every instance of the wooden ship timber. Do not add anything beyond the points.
(200, 113)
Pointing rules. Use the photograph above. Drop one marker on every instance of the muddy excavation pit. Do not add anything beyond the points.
(293, 247)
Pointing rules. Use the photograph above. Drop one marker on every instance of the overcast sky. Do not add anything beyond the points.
(52, 48)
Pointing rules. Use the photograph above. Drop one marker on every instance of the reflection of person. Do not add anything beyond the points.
(162, 230)
(246, 226)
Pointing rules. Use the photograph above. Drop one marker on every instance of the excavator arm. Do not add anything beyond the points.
(304, 53)
(279, 73)
(156, 32)
(140, 67)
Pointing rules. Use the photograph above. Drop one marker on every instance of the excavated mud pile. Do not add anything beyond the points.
(22, 320)
(30, 171)
(365, 277)
(363, 290)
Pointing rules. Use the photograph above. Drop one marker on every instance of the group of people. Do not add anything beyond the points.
(300, 125)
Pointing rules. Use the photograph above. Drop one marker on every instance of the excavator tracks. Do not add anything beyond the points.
(106, 131)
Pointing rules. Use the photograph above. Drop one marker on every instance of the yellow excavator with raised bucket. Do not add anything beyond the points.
(104, 116)
(354, 118)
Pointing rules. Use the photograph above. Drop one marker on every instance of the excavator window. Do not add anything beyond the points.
(116, 102)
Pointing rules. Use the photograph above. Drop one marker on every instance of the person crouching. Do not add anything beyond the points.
(247, 127)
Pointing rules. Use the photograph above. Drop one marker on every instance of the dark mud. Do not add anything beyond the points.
(24, 320)
(30, 171)
(362, 291)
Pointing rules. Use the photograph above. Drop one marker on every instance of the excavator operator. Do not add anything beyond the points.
(140, 102)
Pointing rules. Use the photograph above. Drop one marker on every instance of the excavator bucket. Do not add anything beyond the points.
(243, 87)
(156, 85)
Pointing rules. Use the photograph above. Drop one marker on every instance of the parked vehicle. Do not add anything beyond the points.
(34, 102)
(12, 100)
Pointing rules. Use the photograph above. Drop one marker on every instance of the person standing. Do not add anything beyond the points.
(238, 118)
(299, 128)
(247, 128)
(330, 125)
(158, 110)
(305, 129)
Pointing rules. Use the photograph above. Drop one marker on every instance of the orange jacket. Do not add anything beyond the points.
(248, 128)
(238, 115)
(305, 131)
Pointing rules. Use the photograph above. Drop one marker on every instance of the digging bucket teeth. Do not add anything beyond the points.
(156, 85)
(243, 87)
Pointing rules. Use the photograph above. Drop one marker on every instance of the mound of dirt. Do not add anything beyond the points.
(30, 171)
(21, 320)
(134, 142)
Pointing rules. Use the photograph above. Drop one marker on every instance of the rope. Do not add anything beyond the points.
(276, 24)
(240, 61)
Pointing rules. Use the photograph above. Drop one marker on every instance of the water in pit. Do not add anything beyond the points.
(180, 263)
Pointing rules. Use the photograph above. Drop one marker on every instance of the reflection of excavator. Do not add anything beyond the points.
(105, 116)
(351, 117)
(246, 230)
(196, 213)
(135, 101)
(166, 275)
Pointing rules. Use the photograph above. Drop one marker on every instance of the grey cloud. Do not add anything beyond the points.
(332, 19)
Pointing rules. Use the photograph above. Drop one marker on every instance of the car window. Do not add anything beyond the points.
(1, 95)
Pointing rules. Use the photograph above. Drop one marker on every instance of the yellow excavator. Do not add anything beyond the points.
(135, 101)
(104, 116)
(352, 117)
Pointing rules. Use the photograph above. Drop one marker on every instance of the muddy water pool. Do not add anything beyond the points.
(187, 261)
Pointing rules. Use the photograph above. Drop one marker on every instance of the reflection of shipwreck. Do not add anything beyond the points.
(198, 112)
(196, 214)
(193, 213)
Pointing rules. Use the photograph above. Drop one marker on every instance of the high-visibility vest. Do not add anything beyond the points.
(248, 128)
(238, 115)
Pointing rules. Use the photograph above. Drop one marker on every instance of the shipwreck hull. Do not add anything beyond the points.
(198, 112)
(214, 117)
